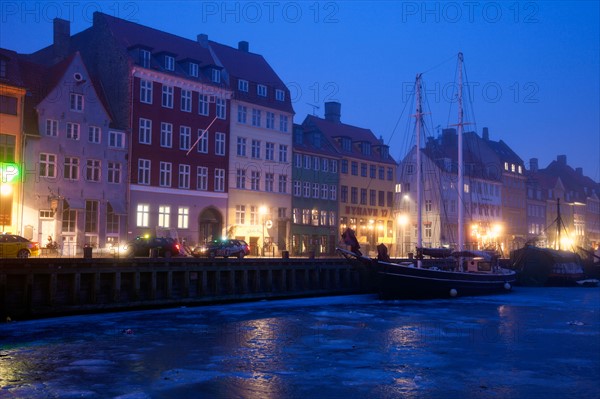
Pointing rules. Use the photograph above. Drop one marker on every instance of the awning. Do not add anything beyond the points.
(118, 207)
(74, 203)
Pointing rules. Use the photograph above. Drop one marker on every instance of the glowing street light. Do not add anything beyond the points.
(403, 222)
(262, 211)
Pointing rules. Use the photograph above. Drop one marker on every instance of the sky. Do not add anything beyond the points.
(532, 67)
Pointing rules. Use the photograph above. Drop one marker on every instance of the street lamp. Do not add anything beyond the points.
(402, 221)
(262, 211)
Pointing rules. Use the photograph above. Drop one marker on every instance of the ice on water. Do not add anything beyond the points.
(530, 343)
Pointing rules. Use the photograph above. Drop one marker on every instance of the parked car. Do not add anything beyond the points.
(142, 246)
(225, 248)
(14, 246)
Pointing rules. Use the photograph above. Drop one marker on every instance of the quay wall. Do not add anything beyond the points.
(43, 287)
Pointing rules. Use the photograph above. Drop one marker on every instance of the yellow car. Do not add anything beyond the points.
(14, 246)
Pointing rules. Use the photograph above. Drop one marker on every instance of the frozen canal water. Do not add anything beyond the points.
(532, 343)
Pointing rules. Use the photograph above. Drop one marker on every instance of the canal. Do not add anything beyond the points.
(531, 343)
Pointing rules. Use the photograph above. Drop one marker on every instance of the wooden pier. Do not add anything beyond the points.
(41, 287)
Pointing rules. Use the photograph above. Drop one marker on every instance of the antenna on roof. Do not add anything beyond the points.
(314, 107)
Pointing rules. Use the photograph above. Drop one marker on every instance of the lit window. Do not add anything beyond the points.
(164, 215)
(142, 215)
(183, 217)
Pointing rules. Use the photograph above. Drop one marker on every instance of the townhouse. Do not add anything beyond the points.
(260, 150)
(12, 96)
(315, 182)
(75, 168)
(367, 175)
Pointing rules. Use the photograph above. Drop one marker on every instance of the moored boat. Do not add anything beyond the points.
(546, 267)
(469, 274)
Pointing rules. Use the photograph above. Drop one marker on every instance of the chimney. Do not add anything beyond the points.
(486, 134)
(202, 39)
(62, 36)
(579, 171)
(333, 111)
(533, 165)
(561, 159)
(244, 46)
(449, 136)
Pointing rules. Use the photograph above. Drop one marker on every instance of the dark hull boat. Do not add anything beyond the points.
(405, 281)
(545, 267)
(470, 274)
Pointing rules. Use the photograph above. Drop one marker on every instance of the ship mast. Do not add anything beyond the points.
(460, 157)
(419, 115)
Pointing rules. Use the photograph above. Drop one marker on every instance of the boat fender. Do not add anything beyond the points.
(453, 292)
(507, 286)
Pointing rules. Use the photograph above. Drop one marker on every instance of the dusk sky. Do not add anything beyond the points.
(533, 66)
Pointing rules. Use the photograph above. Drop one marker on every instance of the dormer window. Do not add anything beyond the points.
(193, 69)
(385, 152)
(279, 95)
(261, 90)
(243, 85)
(169, 63)
(346, 144)
(145, 58)
(216, 75)
(366, 148)
(317, 139)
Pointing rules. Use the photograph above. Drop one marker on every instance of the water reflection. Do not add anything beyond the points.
(330, 347)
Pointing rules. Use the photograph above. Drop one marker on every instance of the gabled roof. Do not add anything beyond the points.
(308, 144)
(476, 154)
(130, 34)
(504, 152)
(255, 69)
(40, 80)
(333, 131)
(573, 181)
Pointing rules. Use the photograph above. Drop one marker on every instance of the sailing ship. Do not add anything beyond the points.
(471, 273)
(537, 267)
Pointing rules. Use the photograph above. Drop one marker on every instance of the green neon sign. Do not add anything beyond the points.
(9, 172)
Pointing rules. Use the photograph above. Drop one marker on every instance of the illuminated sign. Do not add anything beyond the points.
(9, 172)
